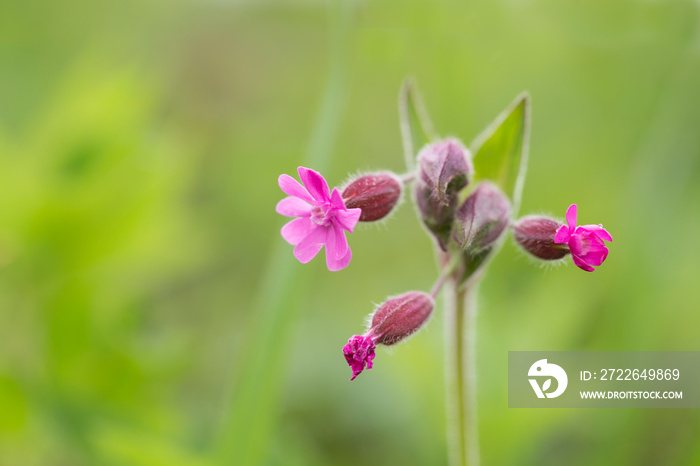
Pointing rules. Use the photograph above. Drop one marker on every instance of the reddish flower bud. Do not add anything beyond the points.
(536, 235)
(482, 218)
(445, 168)
(398, 318)
(401, 316)
(376, 194)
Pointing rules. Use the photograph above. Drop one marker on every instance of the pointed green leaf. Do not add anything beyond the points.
(500, 151)
(416, 127)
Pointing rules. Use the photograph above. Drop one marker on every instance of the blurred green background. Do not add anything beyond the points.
(150, 313)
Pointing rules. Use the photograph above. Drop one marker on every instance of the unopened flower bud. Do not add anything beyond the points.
(398, 318)
(536, 235)
(376, 194)
(445, 168)
(401, 316)
(482, 218)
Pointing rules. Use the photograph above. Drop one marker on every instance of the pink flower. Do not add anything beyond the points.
(359, 353)
(322, 219)
(586, 242)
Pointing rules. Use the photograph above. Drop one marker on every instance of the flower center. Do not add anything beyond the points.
(322, 215)
(585, 245)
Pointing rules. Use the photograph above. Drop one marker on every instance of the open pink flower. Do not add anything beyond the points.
(586, 242)
(322, 219)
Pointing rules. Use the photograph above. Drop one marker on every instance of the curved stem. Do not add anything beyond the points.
(408, 177)
(460, 365)
(445, 274)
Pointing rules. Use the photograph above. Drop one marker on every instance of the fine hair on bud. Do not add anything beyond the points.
(535, 234)
(376, 194)
(482, 218)
(444, 169)
(401, 316)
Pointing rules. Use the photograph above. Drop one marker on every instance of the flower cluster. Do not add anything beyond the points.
(466, 220)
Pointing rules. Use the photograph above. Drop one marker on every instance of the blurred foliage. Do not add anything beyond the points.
(140, 144)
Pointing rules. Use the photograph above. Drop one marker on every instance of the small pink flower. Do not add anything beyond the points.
(586, 242)
(359, 353)
(322, 219)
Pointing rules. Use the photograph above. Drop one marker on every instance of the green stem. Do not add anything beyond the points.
(460, 347)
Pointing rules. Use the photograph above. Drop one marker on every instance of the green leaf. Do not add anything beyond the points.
(416, 127)
(500, 151)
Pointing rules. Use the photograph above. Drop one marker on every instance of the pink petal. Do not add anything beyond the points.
(296, 230)
(292, 187)
(337, 200)
(588, 241)
(293, 207)
(314, 182)
(311, 245)
(575, 244)
(359, 353)
(595, 257)
(338, 253)
(369, 359)
(563, 234)
(582, 264)
(336, 243)
(338, 264)
(599, 231)
(348, 218)
(571, 217)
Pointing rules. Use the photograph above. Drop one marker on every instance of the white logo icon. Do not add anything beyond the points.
(542, 369)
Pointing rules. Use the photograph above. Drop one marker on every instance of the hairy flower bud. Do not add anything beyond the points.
(376, 194)
(536, 235)
(482, 218)
(401, 316)
(445, 168)
(398, 318)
